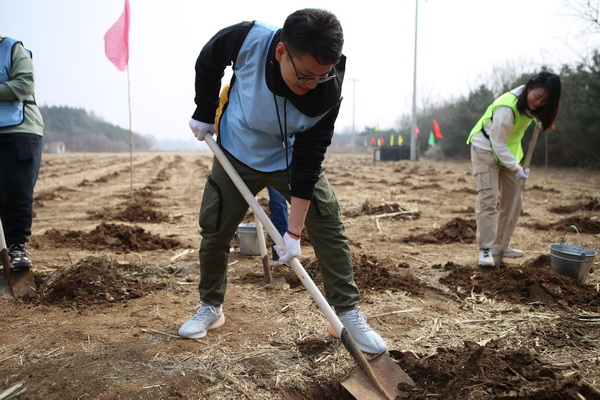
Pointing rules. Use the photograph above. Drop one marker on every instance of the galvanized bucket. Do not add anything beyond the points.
(572, 261)
(248, 240)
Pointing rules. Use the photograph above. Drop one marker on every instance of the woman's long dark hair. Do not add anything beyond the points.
(547, 113)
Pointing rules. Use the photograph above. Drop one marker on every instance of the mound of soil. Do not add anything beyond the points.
(583, 224)
(368, 209)
(532, 283)
(146, 194)
(457, 230)
(141, 209)
(370, 274)
(543, 189)
(135, 212)
(592, 205)
(374, 275)
(392, 211)
(50, 195)
(93, 281)
(102, 179)
(115, 237)
(141, 213)
(466, 190)
(431, 186)
(475, 372)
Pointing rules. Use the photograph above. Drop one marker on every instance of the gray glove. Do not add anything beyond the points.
(522, 173)
(292, 249)
(201, 129)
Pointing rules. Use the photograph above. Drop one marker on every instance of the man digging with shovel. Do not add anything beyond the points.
(283, 102)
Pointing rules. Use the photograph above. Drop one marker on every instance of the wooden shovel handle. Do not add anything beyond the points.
(264, 256)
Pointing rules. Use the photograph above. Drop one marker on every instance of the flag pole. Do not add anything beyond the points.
(413, 127)
(116, 47)
(130, 137)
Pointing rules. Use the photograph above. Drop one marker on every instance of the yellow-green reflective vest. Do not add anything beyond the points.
(521, 123)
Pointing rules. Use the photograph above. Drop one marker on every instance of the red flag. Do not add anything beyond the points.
(116, 40)
(436, 130)
(416, 132)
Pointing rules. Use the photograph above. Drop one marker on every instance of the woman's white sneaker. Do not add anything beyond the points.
(485, 258)
(509, 252)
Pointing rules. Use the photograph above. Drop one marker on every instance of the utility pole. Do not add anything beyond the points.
(413, 126)
(354, 80)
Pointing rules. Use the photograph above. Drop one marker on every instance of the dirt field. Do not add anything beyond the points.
(117, 273)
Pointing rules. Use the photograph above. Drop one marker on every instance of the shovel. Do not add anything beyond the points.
(374, 379)
(16, 282)
(267, 279)
(512, 216)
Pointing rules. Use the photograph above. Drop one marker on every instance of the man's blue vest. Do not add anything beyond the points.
(252, 125)
(11, 112)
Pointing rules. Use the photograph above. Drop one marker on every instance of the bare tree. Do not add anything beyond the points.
(586, 10)
(591, 12)
(503, 75)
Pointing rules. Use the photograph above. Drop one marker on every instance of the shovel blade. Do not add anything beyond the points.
(24, 283)
(15, 282)
(390, 378)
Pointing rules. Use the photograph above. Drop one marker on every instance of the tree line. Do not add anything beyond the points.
(84, 132)
(574, 143)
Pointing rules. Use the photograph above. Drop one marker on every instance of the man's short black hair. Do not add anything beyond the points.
(314, 31)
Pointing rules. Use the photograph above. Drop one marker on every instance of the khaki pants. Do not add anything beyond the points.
(223, 208)
(496, 190)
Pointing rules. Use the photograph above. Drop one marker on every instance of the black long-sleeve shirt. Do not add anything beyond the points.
(309, 146)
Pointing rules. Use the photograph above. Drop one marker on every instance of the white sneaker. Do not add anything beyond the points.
(367, 339)
(509, 252)
(208, 317)
(485, 258)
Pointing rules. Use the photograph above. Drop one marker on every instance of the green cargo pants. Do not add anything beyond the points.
(223, 208)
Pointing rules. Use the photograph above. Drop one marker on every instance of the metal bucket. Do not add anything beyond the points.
(248, 240)
(572, 261)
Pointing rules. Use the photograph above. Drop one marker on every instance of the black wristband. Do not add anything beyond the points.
(293, 235)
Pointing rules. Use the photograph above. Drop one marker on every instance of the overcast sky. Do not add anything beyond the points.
(459, 44)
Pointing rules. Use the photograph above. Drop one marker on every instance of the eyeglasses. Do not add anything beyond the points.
(304, 80)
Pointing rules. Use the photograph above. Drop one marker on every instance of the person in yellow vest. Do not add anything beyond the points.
(496, 152)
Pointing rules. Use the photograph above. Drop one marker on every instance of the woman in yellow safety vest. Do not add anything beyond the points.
(496, 153)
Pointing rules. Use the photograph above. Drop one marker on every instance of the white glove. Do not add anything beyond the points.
(292, 249)
(201, 129)
(522, 173)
